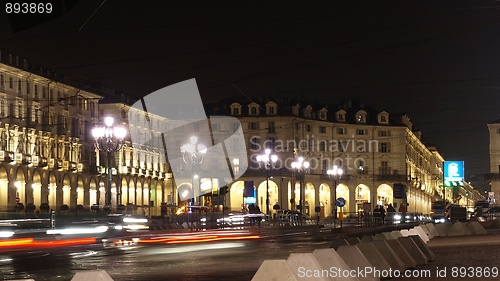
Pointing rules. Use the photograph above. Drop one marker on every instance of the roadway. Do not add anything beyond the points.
(236, 259)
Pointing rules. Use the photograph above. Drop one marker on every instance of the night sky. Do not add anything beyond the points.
(437, 62)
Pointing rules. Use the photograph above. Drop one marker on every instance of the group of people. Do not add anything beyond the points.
(380, 212)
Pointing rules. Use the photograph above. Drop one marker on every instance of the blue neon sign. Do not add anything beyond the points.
(453, 173)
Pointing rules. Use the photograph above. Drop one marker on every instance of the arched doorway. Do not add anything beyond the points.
(384, 195)
(4, 189)
(39, 195)
(131, 193)
(309, 199)
(124, 192)
(66, 191)
(262, 196)
(80, 191)
(93, 192)
(236, 196)
(52, 186)
(324, 200)
(20, 185)
(362, 193)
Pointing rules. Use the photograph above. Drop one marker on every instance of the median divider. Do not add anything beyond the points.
(94, 275)
(396, 250)
(329, 258)
(405, 257)
(354, 258)
(389, 255)
(277, 270)
(413, 250)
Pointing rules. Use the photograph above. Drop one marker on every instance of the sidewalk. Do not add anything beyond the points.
(462, 258)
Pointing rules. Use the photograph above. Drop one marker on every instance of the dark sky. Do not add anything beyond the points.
(438, 61)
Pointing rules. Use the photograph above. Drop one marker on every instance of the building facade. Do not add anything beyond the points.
(494, 150)
(48, 157)
(374, 148)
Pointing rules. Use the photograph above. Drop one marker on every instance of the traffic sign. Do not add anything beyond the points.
(340, 202)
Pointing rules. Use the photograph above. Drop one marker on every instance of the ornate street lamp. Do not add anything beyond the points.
(267, 162)
(334, 174)
(193, 154)
(301, 167)
(109, 139)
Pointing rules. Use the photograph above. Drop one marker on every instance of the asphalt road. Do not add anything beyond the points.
(224, 260)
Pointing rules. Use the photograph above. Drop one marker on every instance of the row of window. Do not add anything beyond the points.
(45, 92)
(307, 112)
(271, 129)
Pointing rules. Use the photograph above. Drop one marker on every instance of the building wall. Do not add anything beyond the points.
(374, 156)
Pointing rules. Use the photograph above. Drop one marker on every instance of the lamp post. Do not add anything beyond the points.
(109, 139)
(334, 174)
(267, 162)
(193, 154)
(301, 166)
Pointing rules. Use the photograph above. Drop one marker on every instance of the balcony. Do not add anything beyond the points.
(386, 173)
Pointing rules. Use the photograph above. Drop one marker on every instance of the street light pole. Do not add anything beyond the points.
(193, 154)
(334, 174)
(301, 166)
(109, 139)
(267, 162)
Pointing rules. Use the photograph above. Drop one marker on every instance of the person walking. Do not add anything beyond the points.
(390, 213)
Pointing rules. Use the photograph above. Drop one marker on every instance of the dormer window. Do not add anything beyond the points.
(361, 116)
(308, 111)
(271, 108)
(322, 114)
(383, 118)
(340, 115)
(235, 109)
(253, 108)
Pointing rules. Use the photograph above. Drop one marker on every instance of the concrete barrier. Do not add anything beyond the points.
(396, 234)
(432, 229)
(387, 235)
(457, 229)
(421, 233)
(405, 232)
(352, 240)
(277, 270)
(305, 267)
(476, 228)
(389, 255)
(355, 259)
(442, 229)
(403, 255)
(336, 243)
(379, 236)
(329, 258)
(426, 230)
(367, 238)
(94, 275)
(374, 256)
(429, 254)
(413, 250)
